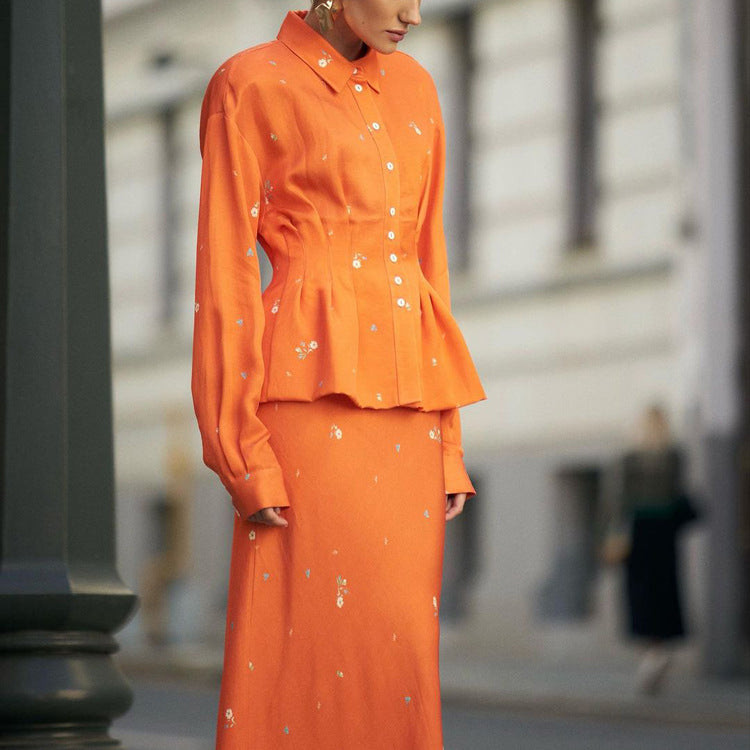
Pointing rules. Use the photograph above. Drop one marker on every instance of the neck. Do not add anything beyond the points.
(340, 36)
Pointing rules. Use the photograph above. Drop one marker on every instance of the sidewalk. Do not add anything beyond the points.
(594, 692)
(555, 689)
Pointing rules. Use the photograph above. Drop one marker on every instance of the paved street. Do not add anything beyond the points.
(176, 717)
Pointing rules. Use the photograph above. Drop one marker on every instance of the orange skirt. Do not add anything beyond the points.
(332, 628)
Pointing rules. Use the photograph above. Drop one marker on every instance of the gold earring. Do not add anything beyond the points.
(325, 12)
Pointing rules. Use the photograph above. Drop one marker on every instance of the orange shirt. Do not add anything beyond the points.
(336, 167)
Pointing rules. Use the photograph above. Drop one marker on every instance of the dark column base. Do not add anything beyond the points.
(59, 689)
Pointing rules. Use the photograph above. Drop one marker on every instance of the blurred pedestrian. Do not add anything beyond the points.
(650, 506)
(328, 403)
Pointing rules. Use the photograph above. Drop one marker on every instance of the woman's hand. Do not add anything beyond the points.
(454, 504)
(269, 516)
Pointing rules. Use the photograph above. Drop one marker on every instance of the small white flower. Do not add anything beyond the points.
(356, 263)
(252, 534)
(313, 344)
(338, 434)
(255, 209)
(339, 601)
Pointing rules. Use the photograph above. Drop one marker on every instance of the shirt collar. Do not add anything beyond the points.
(323, 57)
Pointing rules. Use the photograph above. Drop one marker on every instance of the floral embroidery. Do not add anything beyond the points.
(373, 327)
(286, 730)
(272, 62)
(435, 434)
(255, 210)
(274, 137)
(275, 306)
(228, 718)
(239, 322)
(268, 189)
(413, 124)
(339, 673)
(304, 348)
(426, 513)
(340, 591)
(244, 375)
(398, 447)
(379, 396)
(266, 576)
(407, 699)
(358, 258)
(249, 252)
(307, 573)
(434, 362)
(336, 432)
(323, 61)
(251, 666)
(251, 535)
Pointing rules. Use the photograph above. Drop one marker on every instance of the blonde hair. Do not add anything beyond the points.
(653, 428)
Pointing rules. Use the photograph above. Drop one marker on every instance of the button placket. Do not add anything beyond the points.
(405, 323)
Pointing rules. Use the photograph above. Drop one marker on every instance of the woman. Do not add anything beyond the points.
(328, 403)
(650, 507)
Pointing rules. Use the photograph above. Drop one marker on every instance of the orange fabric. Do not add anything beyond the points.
(336, 168)
(332, 626)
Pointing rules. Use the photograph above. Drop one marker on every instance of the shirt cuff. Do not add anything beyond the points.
(263, 488)
(456, 478)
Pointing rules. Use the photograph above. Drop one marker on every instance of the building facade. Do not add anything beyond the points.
(587, 276)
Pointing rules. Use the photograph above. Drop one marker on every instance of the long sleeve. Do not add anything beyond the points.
(433, 256)
(227, 366)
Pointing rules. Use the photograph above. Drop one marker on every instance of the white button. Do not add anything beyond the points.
(392, 211)
(391, 235)
(358, 86)
(393, 257)
(389, 165)
(376, 126)
(397, 279)
(400, 301)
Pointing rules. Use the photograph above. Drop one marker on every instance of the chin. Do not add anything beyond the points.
(385, 48)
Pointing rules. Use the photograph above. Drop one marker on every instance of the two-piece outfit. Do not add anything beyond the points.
(334, 393)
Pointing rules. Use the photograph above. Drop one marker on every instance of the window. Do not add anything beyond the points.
(582, 169)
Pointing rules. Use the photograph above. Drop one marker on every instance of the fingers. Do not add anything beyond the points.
(269, 516)
(454, 504)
